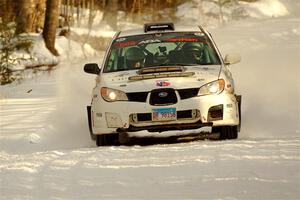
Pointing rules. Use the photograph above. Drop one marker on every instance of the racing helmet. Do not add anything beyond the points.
(134, 55)
(193, 51)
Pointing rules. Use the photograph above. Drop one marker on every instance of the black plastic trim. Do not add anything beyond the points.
(166, 127)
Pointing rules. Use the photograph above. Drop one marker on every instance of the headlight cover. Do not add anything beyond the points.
(112, 95)
(214, 87)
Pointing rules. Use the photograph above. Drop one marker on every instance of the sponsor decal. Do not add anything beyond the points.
(162, 83)
(149, 41)
(122, 74)
(182, 40)
(99, 114)
(229, 105)
(120, 39)
(125, 44)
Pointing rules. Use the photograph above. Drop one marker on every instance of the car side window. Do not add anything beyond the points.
(111, 63)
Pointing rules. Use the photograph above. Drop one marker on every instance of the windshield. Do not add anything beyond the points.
(160, 49)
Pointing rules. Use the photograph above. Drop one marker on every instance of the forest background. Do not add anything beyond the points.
(52, 18)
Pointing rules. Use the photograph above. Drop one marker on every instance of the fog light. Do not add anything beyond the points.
(215, 113)
(134, 117)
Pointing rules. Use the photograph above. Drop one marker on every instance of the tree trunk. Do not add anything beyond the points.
(29, 15)
(38, 15)
(25, 16)
(8, 10)
(51, 22)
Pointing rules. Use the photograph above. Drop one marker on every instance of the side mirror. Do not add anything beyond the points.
(232, 59)
(92, 68)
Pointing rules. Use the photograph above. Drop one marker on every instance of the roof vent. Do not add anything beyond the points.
(158, 27)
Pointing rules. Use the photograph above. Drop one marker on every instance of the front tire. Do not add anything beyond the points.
(239, 100)
(227, 132)
(107, 139)
(89, 115)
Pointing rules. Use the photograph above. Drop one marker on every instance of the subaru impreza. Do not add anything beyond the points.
(163, 78)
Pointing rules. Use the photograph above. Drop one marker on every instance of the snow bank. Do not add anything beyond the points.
(39, 55)
(266, 8)
(70, 50)
(102, 31)
(190, 11)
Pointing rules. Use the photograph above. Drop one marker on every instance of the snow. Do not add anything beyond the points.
(39, 55)
(46, 152)
(189, 12)
(69, 49)
(244, 169)
(96, 31)
(267, 8)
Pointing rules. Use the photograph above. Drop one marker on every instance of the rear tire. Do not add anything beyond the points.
(227, 132)
(107, 139)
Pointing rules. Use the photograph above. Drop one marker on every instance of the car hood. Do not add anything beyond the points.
(133, 81)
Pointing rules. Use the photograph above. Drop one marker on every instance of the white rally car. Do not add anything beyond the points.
(163, 78)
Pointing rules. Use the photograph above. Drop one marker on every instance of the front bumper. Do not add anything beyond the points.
(193, 113)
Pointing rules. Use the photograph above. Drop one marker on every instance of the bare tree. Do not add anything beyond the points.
(50, 25)
(110, 13)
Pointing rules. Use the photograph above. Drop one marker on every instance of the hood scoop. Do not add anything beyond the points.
(161, 72)
(153, 70)
(161, 75)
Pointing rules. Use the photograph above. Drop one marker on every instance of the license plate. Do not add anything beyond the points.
(164, 114)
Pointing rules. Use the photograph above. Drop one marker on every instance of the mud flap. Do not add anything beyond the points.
(90, 122)
(239, 100)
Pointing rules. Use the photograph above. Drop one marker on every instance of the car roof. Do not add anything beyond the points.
(177, 28)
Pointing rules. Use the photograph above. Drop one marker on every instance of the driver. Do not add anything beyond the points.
(134, 58)
(193, 52)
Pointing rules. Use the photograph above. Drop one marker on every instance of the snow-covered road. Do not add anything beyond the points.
(242, 169)
(46, 152)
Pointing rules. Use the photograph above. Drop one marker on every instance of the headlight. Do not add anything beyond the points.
(214, 87)
(111, 95)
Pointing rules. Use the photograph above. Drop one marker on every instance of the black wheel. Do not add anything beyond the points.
(107, 139)
(89, 115)
(227, 132)
(239, 100)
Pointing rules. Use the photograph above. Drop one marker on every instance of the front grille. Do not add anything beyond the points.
(182, 114)
(161, 97)
(137, 96)
(142, 96)
(188, 93)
